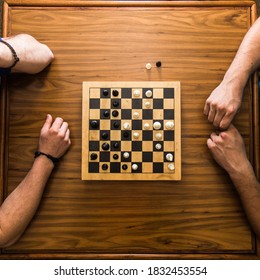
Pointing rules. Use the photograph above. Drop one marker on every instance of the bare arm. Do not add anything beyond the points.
(228, 150)
(33, 55)
(224, 102)
(20, 206)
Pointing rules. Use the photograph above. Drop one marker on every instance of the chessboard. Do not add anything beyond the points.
(131, 131)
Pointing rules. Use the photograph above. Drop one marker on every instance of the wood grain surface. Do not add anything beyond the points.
(201, 214)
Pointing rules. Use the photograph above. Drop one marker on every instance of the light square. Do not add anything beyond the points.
(126, 103)
(94, 114)
(94, 93)
(168, 146)
(136, 156)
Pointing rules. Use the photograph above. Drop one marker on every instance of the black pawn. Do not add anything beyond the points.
(105, 92)
(104, 135)
(116, 124)
(115, 103)
(93, 156)
(115, 92)
(124, 166)
(115, 156)
(158, 64)
(94, 124)
(126, 134)
(105, 146)
(106, 113)
(115, 113)
(116, 145)
(104, 166)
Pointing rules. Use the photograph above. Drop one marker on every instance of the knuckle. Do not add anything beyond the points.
(53, 131)
(230, 111)
(214, 104)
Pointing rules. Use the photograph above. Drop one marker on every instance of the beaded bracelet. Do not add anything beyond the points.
(16, 58)
(53, 159)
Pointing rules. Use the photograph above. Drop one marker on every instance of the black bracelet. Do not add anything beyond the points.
(53, 159)
(16, 58)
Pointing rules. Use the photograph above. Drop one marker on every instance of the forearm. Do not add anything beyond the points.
(249, 191)
(247, 59)
(6, 58)
(18, 209)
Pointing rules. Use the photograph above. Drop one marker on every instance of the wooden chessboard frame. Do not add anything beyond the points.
(176, 175)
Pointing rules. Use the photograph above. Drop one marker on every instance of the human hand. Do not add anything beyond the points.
(222, 105)
(228, 149)
(33, 55)
(55, 137)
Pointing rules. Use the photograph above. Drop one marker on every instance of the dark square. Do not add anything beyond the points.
(158, 103)
(114, 124)
(105, 156)
(126, 114)
(94, 145)
(102, 116)
(125, 159)
(102, 95)
(145, 90)
(93, 167)
(101, 137)
(168, 92)
(168, 135)
(115, 167)
(126, 92)
(112, 146)
(147, 114)
(147, 157)
(136, 125)
(137, 146)
(116, 103)
(158, 167)
(126, 135)
(137, 103)
(93, 128)
(94, 103)
(168, 114)
(147, 135)
(154, 144)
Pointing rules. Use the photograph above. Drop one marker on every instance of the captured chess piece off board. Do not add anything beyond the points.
(131, 131)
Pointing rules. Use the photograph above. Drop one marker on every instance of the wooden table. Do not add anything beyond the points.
(198, 217)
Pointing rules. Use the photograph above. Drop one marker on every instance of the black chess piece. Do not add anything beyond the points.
(93, 156)
(105, 146)
(94, 124)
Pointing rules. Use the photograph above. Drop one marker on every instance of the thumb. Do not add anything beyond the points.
(47, 123)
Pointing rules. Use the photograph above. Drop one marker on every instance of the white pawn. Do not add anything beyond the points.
(158, 136)
(157, 125)
(136, 135)
(126, 155)
(136, 115)
(169, 157)
(158, 146)
(171, 166)
(136, 93)
(126, 126)
(146, 126)
(148, 93)
(148, 66)
(147, 104)
(134, 166)
(169, 125)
